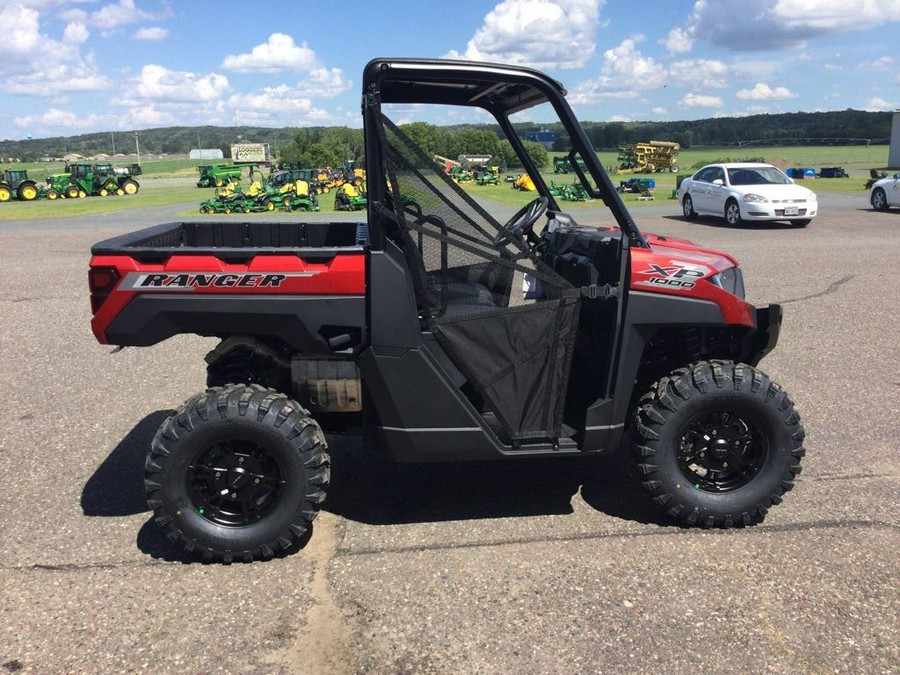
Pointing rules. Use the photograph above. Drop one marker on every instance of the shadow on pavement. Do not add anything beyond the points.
(368, 488)
(712, 221)
(117, 486)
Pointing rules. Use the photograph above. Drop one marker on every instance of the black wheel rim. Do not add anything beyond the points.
(721, 451)
(235, 483)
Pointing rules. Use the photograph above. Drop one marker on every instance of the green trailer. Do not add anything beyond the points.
(217, 175)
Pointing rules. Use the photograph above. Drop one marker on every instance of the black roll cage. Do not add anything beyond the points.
(502, 91)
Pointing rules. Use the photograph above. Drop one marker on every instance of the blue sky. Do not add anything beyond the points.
(77, 66)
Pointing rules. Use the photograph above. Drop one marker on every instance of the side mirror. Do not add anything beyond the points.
(718, 181)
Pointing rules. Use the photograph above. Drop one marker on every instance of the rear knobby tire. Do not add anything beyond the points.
(716, 444)
(238, 473)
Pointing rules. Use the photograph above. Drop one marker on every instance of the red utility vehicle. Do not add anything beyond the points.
(447, 336)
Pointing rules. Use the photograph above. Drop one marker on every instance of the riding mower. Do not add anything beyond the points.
(301, 198)
(348, 198)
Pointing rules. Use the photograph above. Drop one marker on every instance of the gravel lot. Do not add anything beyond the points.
(537, 567)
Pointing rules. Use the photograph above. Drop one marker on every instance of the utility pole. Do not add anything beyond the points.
(137, 146)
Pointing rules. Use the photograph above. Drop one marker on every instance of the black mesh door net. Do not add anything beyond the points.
(507, 320)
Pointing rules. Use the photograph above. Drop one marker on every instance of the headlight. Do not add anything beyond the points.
(731, 280)
(754, 198)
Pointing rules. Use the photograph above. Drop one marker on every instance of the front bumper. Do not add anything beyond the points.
(769, 211)
(761, 341)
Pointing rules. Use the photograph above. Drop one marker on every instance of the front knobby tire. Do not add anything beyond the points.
(716, 444)
(238, 473)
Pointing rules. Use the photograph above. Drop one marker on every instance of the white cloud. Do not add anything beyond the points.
(151, 34)
(119, 14)
(707, 73)
(279, 106)
(278, 53)
(833, 16)
(55, 118)
(156, 83)
(879, 104)
(626, 71)
(143, 117)
(76, 33)
(882, 63)
(23, 36)
(325, 83)
(274, 99)
(678, 41)
(691, 100)
(758, 25)
(763, 92)
(540, 33)
(626, 61)
(662, 112)
(32, 63)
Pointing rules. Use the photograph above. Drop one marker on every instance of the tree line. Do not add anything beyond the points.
(340, 143)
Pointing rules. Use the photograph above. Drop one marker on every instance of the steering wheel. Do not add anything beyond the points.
(522, 222)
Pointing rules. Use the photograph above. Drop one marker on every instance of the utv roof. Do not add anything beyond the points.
(494, 86)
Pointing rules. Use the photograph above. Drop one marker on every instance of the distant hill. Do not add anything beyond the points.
(846, 127)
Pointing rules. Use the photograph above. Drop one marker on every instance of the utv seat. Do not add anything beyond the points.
(460, 297)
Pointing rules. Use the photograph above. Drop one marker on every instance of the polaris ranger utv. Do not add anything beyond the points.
(447, 336)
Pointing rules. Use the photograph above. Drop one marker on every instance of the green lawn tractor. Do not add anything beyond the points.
(15, 184)
(569, 193)
(348, 198)
(229, 199)
(489, 175)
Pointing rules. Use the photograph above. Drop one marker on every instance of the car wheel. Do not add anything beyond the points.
(732, 213)
(879, 200)
(687, 207)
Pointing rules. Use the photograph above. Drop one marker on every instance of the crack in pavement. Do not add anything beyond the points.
(831, 289)
(633, 534)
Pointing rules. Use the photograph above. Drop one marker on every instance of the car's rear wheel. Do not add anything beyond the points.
(733, 213)
(687, 207)
(879, 200)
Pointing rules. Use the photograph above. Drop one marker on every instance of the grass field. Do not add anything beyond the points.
(172, 181)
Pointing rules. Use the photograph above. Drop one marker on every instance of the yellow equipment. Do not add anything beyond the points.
(524, 183)
(651, 157)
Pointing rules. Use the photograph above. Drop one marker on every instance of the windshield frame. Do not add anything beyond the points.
(500, 90)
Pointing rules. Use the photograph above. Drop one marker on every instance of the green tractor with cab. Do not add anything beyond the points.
(82, 179)
(15, 184)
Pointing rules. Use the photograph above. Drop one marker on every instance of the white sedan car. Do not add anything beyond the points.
(885, 193)
(745, 191)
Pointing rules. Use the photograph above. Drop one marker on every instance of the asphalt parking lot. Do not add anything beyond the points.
(538, 567)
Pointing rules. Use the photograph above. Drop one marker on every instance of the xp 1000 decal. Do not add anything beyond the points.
(676, 275)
